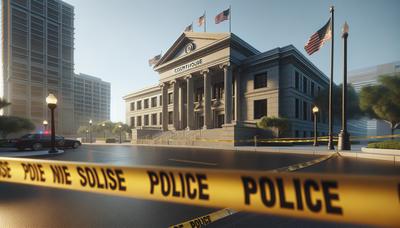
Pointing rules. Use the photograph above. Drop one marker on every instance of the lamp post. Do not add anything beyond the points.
(315, 111)
(344, 136)
(104, 129)
(51, 101)
(87, 135)
(90, 130)
(45, 123)
(120, 133)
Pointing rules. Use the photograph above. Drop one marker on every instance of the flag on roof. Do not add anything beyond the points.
(154, 60)
(319, 38)
(189, 28)
(201, 20)
(223, 16)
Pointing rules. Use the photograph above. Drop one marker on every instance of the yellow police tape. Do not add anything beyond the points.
(206, 219)
(346, 198)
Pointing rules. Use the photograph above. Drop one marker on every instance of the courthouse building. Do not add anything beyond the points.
(218, 86)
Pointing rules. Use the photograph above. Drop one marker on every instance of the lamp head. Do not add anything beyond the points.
(103, 124)
(90, 121)
(119, 126)
(315, 109)
(51, 99)
(345, 28)
(45, 122)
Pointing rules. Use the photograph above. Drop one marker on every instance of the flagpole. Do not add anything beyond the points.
(230, 19)
(330, 141)
(205, 21)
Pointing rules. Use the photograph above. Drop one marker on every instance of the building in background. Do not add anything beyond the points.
(365, 77)
(217, 86)
(91, 100)
(38, 59)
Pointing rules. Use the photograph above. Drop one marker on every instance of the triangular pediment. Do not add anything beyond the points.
(190, 42)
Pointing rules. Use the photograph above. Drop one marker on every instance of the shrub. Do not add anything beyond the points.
(111, 140)
(390, 144)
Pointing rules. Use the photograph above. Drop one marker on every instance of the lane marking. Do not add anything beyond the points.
(204, 220)
(193, 162)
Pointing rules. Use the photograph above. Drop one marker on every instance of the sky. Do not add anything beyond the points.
(115, 39)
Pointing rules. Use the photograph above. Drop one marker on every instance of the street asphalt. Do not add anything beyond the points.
(28, 206)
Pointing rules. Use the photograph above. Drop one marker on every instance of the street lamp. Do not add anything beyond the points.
(344, 136)
(104, 128)
(87, 135)
(51, 101)
(120, 133)
(90, 129)
(45, 123)
(315, 111)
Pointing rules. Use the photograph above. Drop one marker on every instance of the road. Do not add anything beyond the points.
(23, 206)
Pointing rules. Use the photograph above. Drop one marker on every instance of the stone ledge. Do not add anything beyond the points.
(381, 151)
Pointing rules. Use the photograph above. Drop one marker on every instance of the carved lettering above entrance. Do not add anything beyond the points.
(188, 66)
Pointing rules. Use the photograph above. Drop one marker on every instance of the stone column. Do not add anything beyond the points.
(175, 86)
(207, 99)
(182, 113)
(164, 92)
(189, 101)
(227, 92)
(237, 96)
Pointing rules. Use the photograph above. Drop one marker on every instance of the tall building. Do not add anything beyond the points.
(218, 86)
(91, 99)
(365, 77)
(38, 59)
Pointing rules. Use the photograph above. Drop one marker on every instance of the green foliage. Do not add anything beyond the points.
(385, 145)
(124, 128)
(4, 103)
(109, 127)
(382, 101)
(14, 124)
(281, 124)
(353, 108)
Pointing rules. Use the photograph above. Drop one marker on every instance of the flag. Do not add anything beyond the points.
(201, 20)
(224, 15)
(189, 28)
(154, 60)
(319, 38)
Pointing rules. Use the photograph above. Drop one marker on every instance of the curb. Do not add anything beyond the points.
(30, 153)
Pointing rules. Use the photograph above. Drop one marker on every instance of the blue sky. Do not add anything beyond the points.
(115, 39)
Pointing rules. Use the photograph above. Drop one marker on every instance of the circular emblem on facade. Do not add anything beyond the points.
(189, 47)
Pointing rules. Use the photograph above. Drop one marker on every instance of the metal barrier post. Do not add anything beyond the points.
(255, 141)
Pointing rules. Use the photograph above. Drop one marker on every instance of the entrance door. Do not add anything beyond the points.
(201, 121)
(220, 120)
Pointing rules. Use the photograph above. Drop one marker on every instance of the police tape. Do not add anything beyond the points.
(206, 219)
(215, 216)
(341, 198)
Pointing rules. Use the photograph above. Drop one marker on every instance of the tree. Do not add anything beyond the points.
(281, 124)
(3, 103)
(353, 107)
(124, 128)
(14, 124)
(382, 101)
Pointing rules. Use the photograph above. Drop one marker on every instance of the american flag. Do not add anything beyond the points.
(189, 28)
(154, 60)
(201, 20)
(319, 38)
(224, 15)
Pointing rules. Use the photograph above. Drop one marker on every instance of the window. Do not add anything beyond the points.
(260, 108)
(199, 95)
(170, 98)
(312, 89)
(296, 134)
(305, 81)
(170, 117)
(218, 90)
(146, 120)
(154, 102)
(139, 105)
(297, 108)
(305, 134)
(305, 110)
(139, 121)
(160, 118)
(132, 106)
(146, 103)
(260, 80)
(160, 100)
(154, 119)
(132, 121)
(297, 80)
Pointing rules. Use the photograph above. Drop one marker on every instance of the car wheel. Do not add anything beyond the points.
(75, 145)
(37, 146)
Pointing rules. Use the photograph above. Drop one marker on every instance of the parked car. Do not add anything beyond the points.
(40, 141)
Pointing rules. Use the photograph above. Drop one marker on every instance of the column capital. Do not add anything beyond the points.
(205, 71)
(173, 81)
(225, 65)
(189, 76)
(162, 84)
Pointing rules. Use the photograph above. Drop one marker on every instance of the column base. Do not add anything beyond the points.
(344, 141)
(331, 146)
